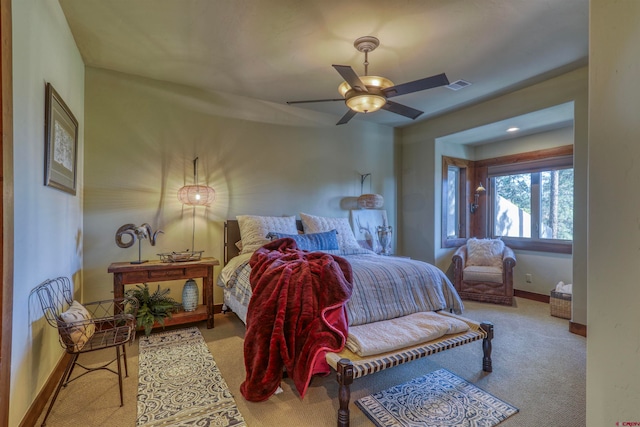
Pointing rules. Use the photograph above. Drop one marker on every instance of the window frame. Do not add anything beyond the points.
(465, 177)
(534, 162)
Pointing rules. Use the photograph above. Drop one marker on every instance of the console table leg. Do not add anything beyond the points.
(207, 285)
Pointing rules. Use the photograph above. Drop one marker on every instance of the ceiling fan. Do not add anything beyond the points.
(366, 94)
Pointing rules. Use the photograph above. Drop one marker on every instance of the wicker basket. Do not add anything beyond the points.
(560, 304)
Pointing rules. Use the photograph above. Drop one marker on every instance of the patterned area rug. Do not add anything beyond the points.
(438, 399)
(180, 384)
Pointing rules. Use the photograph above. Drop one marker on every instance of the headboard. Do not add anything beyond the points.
(232, 235)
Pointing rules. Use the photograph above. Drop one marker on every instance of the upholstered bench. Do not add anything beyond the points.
(349, 366)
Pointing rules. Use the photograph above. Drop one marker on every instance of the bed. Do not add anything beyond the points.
(385, 290)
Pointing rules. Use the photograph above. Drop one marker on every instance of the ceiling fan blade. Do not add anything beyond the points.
(403, 110)
(351, 77)
(347, 116)
(315, 100)
(417, 85)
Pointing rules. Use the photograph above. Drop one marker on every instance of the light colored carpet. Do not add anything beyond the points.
(538, 366)
(436, 399)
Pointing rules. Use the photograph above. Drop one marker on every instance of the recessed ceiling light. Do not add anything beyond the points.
(513, 129)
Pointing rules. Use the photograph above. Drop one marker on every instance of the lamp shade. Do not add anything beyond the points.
(366, 103)
(371, 201)
(196, 195)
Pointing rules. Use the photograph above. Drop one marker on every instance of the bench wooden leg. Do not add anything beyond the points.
(344, 376)
(486, 346)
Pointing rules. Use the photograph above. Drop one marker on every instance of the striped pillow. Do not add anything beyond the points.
(326, 241)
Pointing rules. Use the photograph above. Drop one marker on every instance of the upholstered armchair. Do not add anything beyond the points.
(483, 271)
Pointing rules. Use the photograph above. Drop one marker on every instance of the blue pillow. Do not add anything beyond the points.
(325, 241)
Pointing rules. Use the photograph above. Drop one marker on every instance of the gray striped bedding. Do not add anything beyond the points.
(383, 287)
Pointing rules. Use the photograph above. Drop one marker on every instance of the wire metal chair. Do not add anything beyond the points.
(86, 328)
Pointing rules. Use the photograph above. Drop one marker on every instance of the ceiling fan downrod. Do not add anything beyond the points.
(366, 44)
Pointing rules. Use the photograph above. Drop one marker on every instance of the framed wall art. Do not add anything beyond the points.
(61, 143)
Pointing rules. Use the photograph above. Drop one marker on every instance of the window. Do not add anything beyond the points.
(454, 197)
(452, 207)
(528, 203)
(532, 203)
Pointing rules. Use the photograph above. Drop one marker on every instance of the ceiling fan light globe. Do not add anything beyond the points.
(371, 82)
(344, 88)
(366, 103)
(376, 81)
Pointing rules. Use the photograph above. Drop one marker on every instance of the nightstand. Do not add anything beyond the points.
(125, 273)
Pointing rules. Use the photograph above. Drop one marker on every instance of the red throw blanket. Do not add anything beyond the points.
(296, 314)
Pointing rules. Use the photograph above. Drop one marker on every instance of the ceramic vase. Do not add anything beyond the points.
(190, 295)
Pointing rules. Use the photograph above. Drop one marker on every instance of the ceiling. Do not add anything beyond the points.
(547, 119)
(282, 50)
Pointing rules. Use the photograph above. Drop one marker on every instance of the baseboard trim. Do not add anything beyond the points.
(531, 295)
(578, 329)
(40, 403)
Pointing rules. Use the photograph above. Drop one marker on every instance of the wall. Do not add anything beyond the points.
(261, 158)
(613, 343)
(420, 193)
(48, 222)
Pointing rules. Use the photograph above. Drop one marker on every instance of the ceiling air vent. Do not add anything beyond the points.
(458, 84)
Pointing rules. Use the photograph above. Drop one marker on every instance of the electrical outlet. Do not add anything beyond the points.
(528, 278)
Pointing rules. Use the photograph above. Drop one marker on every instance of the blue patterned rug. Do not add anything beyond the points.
(438, 399)
(180, 385)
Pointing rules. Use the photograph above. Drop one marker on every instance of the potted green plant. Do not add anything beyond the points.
(152, 307)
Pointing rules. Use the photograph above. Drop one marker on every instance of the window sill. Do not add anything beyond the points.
(538, 246)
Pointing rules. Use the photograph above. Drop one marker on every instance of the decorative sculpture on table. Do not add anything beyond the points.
(140, 232)
(370, 226)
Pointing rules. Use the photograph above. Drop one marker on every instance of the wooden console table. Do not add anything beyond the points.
(125, 273)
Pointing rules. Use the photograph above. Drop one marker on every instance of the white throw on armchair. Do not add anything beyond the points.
(483, 271)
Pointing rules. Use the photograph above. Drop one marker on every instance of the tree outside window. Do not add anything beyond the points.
(533, 207)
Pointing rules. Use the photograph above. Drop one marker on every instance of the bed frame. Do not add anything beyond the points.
(350, 366)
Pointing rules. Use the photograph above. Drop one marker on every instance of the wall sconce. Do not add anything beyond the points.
(369, 201)
(475, 205)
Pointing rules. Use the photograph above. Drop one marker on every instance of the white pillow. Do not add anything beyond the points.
(78, 328)
(485, 252)
(319, 224)
(254, 229)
